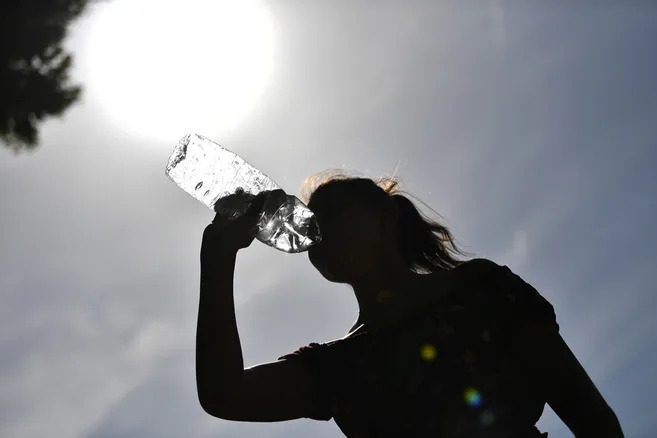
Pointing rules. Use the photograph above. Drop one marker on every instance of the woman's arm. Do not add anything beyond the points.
(219, 363)
(275, 391)
(569, 389)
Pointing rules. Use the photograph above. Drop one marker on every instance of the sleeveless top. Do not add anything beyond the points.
(443, 372)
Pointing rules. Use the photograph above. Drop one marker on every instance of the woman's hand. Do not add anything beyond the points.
(226, 237)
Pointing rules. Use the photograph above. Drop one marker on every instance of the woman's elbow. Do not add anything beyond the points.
(208, 407)
(604, 425)
(206, 402)
(215, 407)
(214, 402)
(612, 426)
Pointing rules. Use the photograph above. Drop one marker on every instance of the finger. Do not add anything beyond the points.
(261, 198)
(219, 219)
(253, 231)
(256, 205)
(209, 232)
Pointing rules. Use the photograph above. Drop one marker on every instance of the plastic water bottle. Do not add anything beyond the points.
(227, 184)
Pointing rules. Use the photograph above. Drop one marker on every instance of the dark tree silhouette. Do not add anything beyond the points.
(34, 68)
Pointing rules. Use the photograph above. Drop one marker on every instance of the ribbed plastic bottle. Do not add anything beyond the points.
(227, 184)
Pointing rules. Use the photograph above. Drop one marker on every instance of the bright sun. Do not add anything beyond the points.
(165, 68)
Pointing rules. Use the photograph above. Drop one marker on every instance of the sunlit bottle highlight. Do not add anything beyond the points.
(227, 184)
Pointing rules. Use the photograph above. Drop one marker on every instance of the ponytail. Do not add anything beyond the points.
(425, 244)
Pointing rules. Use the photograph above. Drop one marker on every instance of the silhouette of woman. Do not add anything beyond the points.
(441, 347)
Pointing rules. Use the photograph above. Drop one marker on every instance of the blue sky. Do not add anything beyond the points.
(530, 127)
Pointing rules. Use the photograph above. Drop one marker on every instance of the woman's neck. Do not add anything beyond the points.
(378, 308)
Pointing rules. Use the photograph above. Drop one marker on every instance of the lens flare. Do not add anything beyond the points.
(487, 418)
(428, 352)
(472, 397)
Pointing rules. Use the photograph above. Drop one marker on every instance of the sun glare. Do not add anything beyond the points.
(165, 68)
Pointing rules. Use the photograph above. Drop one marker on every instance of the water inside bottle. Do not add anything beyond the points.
(209, 172)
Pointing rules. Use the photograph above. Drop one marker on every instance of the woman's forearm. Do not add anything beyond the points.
(219, 362)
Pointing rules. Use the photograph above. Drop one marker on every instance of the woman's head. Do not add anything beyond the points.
(369, 227)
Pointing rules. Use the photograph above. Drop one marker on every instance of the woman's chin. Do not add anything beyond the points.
(329, 277)
(338, 272)
(328, 273)
(333, 272)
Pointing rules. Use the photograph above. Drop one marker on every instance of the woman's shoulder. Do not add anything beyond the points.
(500, 290)
(488, 274)
(479, 266)
(473, 276)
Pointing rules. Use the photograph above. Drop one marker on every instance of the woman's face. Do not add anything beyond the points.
(352, 238)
